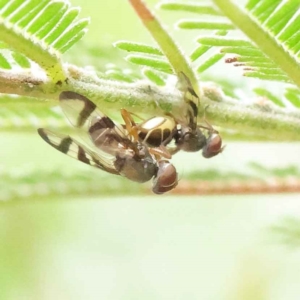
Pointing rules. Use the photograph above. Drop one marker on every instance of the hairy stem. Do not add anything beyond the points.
(168, 46)
(261, 120)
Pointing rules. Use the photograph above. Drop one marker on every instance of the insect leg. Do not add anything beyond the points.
(130, 125)
(160, 152)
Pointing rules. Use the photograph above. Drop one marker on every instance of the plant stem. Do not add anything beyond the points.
(168, 46)
(268, 121)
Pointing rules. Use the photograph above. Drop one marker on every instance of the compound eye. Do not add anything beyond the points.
(166, 178)
(213, 146)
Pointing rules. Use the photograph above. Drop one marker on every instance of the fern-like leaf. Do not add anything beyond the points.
(275, 59)
(293, 95)
(40, 30)
(222, 43)
(243, 53)
(268, 32)
(220, 109)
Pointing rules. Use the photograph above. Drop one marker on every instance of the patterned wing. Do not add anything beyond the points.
(71, 147)
(191, 99)
(77, 108)
(105, 134)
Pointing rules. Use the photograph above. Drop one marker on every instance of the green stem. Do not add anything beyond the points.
(168, 46)
(270, 122)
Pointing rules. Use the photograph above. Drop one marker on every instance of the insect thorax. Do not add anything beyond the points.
(139, 170)
(190, 140)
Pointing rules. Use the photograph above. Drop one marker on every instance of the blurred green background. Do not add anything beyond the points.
(144, 247)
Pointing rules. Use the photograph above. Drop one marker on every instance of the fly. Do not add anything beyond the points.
(114, 149)
(186, 133)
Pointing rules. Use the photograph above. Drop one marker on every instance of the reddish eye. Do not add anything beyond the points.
(166, 178)
(213, 146)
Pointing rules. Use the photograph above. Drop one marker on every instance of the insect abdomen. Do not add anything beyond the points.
(156, 136)
(157, 131)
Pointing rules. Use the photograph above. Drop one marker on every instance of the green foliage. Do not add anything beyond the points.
(256, 171)
(293, 95)
(125, 235)
(35, 34)
(40, 30)
(220, 41)
(21, 114)
(265, 93)
(33, 182)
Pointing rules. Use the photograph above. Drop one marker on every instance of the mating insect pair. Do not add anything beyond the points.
(114, 149)
(137, 151)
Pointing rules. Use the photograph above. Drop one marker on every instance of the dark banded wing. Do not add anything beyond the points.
(190, 98)
(105, 134)
(73, 148)
(77, 108)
